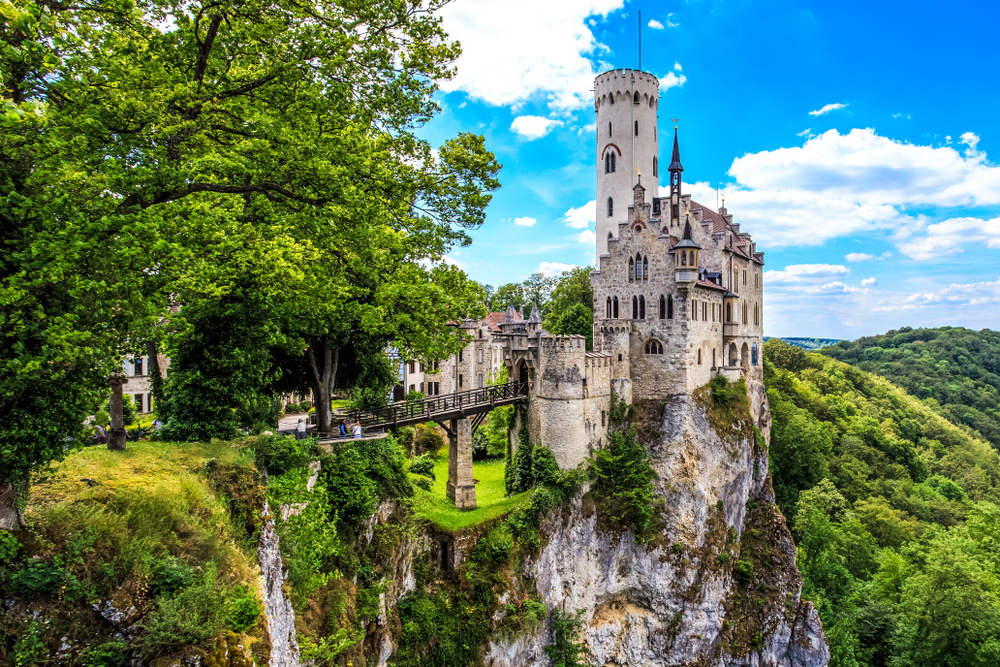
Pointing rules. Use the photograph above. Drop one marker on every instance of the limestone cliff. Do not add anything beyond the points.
(719, 587)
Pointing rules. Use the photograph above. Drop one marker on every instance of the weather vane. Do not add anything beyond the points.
(674, 121)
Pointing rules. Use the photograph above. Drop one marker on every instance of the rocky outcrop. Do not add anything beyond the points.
(718, 586)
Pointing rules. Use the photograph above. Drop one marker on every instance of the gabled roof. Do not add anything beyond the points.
(711, 285)
(493, 320)
(719, 223)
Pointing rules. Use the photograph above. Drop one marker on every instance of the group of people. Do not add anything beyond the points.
(300, 429)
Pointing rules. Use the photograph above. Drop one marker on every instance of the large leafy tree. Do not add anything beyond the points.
(155, 153)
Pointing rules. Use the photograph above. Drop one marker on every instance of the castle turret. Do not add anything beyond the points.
(686, 257)
(627, 104)
(675, 170)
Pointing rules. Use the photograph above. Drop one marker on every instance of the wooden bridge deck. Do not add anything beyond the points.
(442, 408)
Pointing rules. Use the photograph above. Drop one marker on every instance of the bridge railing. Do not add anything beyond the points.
(425, 409)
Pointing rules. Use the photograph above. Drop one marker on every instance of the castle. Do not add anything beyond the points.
(677, 289)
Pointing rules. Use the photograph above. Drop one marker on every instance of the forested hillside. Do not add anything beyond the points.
(895, 511)
(957, 370)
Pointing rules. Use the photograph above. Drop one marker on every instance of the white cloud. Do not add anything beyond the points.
(972, 294)
(865, 257)
(948, 237)
(677, 66)
(582, 217)
(525, 222)
(970, 140)
(515, 50)
(671, 24)
(804, 132)
(671, 80)
(869, 282)
(533, 127)
(799, 273)
(554, 269)
(587, 236)
(655, 25)
(827, 109)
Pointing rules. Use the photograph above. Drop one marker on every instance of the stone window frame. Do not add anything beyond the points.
(652, 347)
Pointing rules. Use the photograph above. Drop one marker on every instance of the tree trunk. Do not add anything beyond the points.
(155, 377)
(10, 516)
(323, 360)
(116, 436)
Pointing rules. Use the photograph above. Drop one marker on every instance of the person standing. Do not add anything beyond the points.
(357, 430)
(343, 429)
(300, 430)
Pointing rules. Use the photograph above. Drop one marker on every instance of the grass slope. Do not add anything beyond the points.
(491, 498)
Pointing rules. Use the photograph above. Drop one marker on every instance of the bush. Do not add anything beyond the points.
(243, 608)
(566, 650)
(352, 494)
(497, 546)
(278, 454)
(170, 576)
(36, 580)
(544, 467)
(423, 465)
(415, 396)
(192, 617)
(404, 436)
(623, 484)
(426, 440)
(386, 467)
(422, 483)
(518, 472)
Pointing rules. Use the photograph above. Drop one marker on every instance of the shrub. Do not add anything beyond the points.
(623, 484)
(544, 468)
(423, 465)
(404, 436)
(518, 475)
(386, 467)
(36, 580)
(243, 608)
(427, 440)
(278, 454)
(192, 617)
(422, 483)
(566, 649)
(497, 546)
(415, 396)
(352, 495)
(170, 576)
(743, 571)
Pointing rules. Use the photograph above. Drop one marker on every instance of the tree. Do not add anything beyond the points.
(578, 320)
(538, 290)
(511, 294)
(573, 288)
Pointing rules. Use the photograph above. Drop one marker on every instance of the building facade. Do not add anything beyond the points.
(677, 289)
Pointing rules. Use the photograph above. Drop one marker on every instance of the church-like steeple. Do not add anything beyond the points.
(675, 183)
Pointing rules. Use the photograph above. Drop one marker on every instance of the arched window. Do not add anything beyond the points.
(645, 268)
(663, 308)
(655, 170)
(635, 308)
(637, 128)
(699, 356)
(609, 128)
(614, 307)
(631, 269)
(642, 307)
(609, 308)
(611, 207)
(612, 162)
(753, 354)
(670, 307)
(653, 347)
(636, 99)
(684, 258)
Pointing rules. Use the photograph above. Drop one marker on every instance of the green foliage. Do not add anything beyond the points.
(894, 512)
(169, 576)
(415, 396)
(573, 289)
(277, 454)
(496, 547)
(577, 320)
(191, 617)
(426, 440)
(243, 609)
(423, 465)
(623, 484)
(955, 370)
(518, 473)
(544, 467)
(566, 650)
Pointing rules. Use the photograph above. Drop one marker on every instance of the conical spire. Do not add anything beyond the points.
(675, 159)
(686, 240)
(508, 317)
(535, 318)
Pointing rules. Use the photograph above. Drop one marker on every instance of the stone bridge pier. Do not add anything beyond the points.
(461, 488)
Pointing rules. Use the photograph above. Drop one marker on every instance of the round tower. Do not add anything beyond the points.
(627, 103)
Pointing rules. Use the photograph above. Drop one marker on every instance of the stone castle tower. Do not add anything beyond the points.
(677, 290)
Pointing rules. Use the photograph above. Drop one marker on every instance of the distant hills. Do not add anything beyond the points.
(808, 343)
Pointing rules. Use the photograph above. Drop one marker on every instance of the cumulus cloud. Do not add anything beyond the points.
(827, 108)
(533, 127)
(525, 222)
(672, 80)
(582, 217)
(515, 50)
(971, 294)
(865, 257)
(655, 25)
(849, 184)
(797, 273)
(869, 282)
(554, 269)
(587, 236)
(948, 237)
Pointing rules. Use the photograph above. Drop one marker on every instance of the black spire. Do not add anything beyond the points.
(675, 159)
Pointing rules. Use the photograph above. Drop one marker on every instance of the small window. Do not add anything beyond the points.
(609, 129)
(459, 380)
(699, 356)
(480, 333)
(670, 307)
(694, 310)
(608, 315)
(684, 258)
(413, 387)
(631, 269)
(744, 276)
(753, 354)
(611, 207)
(704, 311)
(729, 312)
(642, 307)
(460, 354)
(636, 99)
(612, 162)
(656, 205)
(663, 308)
(655, 169)
(611, 98)
(603, 417)
(635, 308)
(645, 268)
(421, 387)
(480, 356)
(607, 163)
(637, 128)
(412, 369)
(480, 380)
(421, 369)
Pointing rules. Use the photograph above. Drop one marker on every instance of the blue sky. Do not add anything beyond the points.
(851, 139)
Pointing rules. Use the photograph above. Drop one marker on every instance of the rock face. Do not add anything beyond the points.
(277, 607)
(718, 587)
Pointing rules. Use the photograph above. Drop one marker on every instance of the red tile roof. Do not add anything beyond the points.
(711, 285)
(718, 222)
(493, 320)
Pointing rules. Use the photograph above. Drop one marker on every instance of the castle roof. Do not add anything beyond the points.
(675, 159)
(493, 320)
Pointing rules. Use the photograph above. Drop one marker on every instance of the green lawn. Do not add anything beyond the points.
(491, 501)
